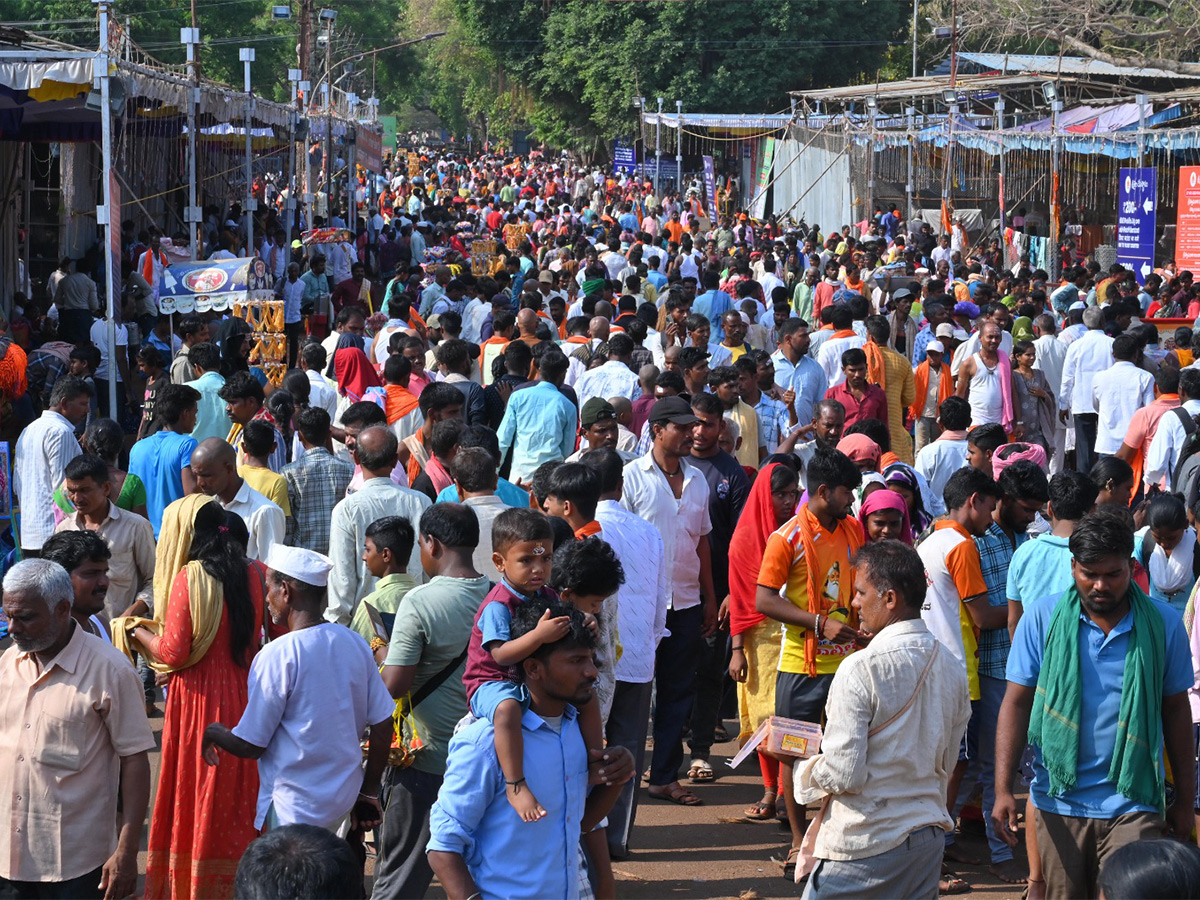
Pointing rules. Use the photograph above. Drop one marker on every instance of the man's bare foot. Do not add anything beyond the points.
(1010, 871)
(956, 854)
(522, 800)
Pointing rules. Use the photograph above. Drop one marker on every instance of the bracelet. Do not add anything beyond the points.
(476, 896)
(738, 646)
(817, 626)
(367, 796)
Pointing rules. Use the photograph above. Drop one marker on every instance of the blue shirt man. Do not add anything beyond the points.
(539, 426)
(159, 461)
(713, 304)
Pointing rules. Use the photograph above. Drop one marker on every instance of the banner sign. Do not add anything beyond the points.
(710, 188)
(624, 155)
(1137, 200)
(370, 150)
(759, 207)
(1187, 223)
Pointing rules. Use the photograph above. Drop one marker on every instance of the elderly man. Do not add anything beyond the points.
(1086, 357)
(75, 734)
(376, 452)
(898, 710)
(42, 453)
(313, 692)
(214, 465)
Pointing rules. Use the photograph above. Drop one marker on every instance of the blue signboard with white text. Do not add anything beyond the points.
(624, 156)
(1137, 202)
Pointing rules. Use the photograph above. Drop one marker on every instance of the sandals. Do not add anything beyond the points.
(762, 811)
(700, 772)
(952, 884)
(678, 794)
(789, 865)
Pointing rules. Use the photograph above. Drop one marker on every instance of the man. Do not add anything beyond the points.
(1118, 393)
(1135, 445)
(1043, 566)
(844, 338)
(375, 451)
(1051, 354)
(713, 303)
(475, 839)
(693, 365)
(163, 460)
(129, 537)
(859, 398)
(76, 738)
(192, 331)
(1085, 359)
(321, 392)
(897, 711)
(731, 347)
(1024, 493)
(775, 418)
(539, 423)
(956, 605)
(642, 602)
(351, 320)
(454, 359)
(310, 675)
(84, 555)
(982, 377)
(939, 460)
(244, 399)
(668, 492)
(723, 381)
(728, 488)
(936, 315)
(615, 378)
(425, 656)
(796, 371)
(598, 428)
(299, 861)
(1163, 456)
(999, 315)
(806, 583)
(214, 464)
(352, 291)
(41, 456)
(317, 287)
(829, 421)
(805, 292)
(475, 480)
(891, 372)
(316, 482)
(211, 418)
(438, 402)
(932, 384)
(1098, 779)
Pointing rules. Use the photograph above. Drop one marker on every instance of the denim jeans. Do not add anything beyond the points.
(1085, 441)
(675, 687)
(710, 692)
(981, 749)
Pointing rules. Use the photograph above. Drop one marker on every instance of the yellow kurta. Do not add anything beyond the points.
(901, 393)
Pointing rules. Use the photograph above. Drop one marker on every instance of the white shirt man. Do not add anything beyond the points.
(1117, 393)
(937, 461)
(1163, 454)
(613, 379)
(264, 520)
(1085, 359)
(43, 450)
(830, 356)
(1051, 354)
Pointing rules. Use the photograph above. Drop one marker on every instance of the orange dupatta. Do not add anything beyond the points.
(808, 525)
(876, 370)
(400, 402)
(921, 383)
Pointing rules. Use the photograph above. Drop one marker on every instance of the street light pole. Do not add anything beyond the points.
(872, 108)
(910, 114)
(292, 206)
(679, 146)
(192, 215)
(1000, 128)
(104, 214)
(246, 55)
(658, 147)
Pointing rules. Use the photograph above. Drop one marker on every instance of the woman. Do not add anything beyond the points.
(1168, 551)
(353, 371)
(884, 516)
(203, 816)
(756, 639)
(1033, 402)
(1114, 477)
(903, 479)
(105, 439)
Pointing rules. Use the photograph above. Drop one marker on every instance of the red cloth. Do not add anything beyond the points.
(354, 373)
(203, 817)
(641, 412)
(872, 406)
(754, 526)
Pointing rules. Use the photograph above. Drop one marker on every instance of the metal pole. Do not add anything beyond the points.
(330, 207)
(292, 207)
(872, 109)
(679, 147)
(910, 115)
(914, 49)
(104, 213)
(308, 191)
(351, 167)
(1056, 225)
(1003, 173)
(246, 55)
(658, 148)
(1141, 102)
(192, 215)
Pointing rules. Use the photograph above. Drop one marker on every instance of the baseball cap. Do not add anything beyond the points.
(960, 335)
(945, 330)
(434, 321)
(672, 409)
(901, 294)
(595, 410)
(545, 277)
(936, 347)
(1077, 306)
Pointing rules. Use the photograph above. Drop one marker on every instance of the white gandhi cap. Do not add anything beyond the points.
(307, 566)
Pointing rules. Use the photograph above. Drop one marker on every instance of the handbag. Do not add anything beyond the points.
(806, 859)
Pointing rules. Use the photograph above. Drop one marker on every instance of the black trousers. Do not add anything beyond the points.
(85, 887)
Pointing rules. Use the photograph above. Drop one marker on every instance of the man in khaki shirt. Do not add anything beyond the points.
(130, 537)
(72, 728)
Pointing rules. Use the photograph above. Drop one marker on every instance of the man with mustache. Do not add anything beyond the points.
(1098, 677)
(85, 556)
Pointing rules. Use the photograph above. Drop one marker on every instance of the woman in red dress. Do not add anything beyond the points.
(203, 816)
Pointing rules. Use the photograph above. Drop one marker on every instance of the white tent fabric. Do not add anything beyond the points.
(828, 201)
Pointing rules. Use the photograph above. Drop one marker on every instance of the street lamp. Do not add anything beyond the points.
(246, 55)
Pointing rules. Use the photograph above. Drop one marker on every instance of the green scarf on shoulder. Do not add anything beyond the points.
(1055, 721)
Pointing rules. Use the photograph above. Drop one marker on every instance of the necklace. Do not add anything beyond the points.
(674, 474)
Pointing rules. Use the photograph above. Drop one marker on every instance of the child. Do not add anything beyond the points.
(258, 441)
(521, 552)
(387, 546)
(84, 363)
(573, 494)
(982, 442)
(150, 364)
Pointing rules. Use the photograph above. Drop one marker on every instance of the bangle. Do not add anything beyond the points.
(476, 896)
(817, 626)
(738, 646)
(367, 796)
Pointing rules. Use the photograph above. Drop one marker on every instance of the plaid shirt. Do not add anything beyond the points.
(995, 554)
(315, 484)
(42, 371)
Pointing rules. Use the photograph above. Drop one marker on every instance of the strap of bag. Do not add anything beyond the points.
(937, 646)
(436, 681)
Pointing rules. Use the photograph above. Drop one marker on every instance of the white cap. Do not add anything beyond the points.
(307, 566)
(960, 335)
(935, 346)
(1077, 306)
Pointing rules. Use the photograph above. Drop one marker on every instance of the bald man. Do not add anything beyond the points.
(376, 450)
(214, 465)
(527, 326)
(626, 439)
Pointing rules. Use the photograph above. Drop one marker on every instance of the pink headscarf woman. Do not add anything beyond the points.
(884, 516)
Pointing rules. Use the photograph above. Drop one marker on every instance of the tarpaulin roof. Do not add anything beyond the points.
(1052, 65)
(1088, 119)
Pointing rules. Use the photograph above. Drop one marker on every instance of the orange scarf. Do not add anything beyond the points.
(844, 333)
(148, 266)
(592, 527)
(810, 525)
(876, 370)
(400, 402)
(921, 383)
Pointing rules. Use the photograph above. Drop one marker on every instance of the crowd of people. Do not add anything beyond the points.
(634, 474)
